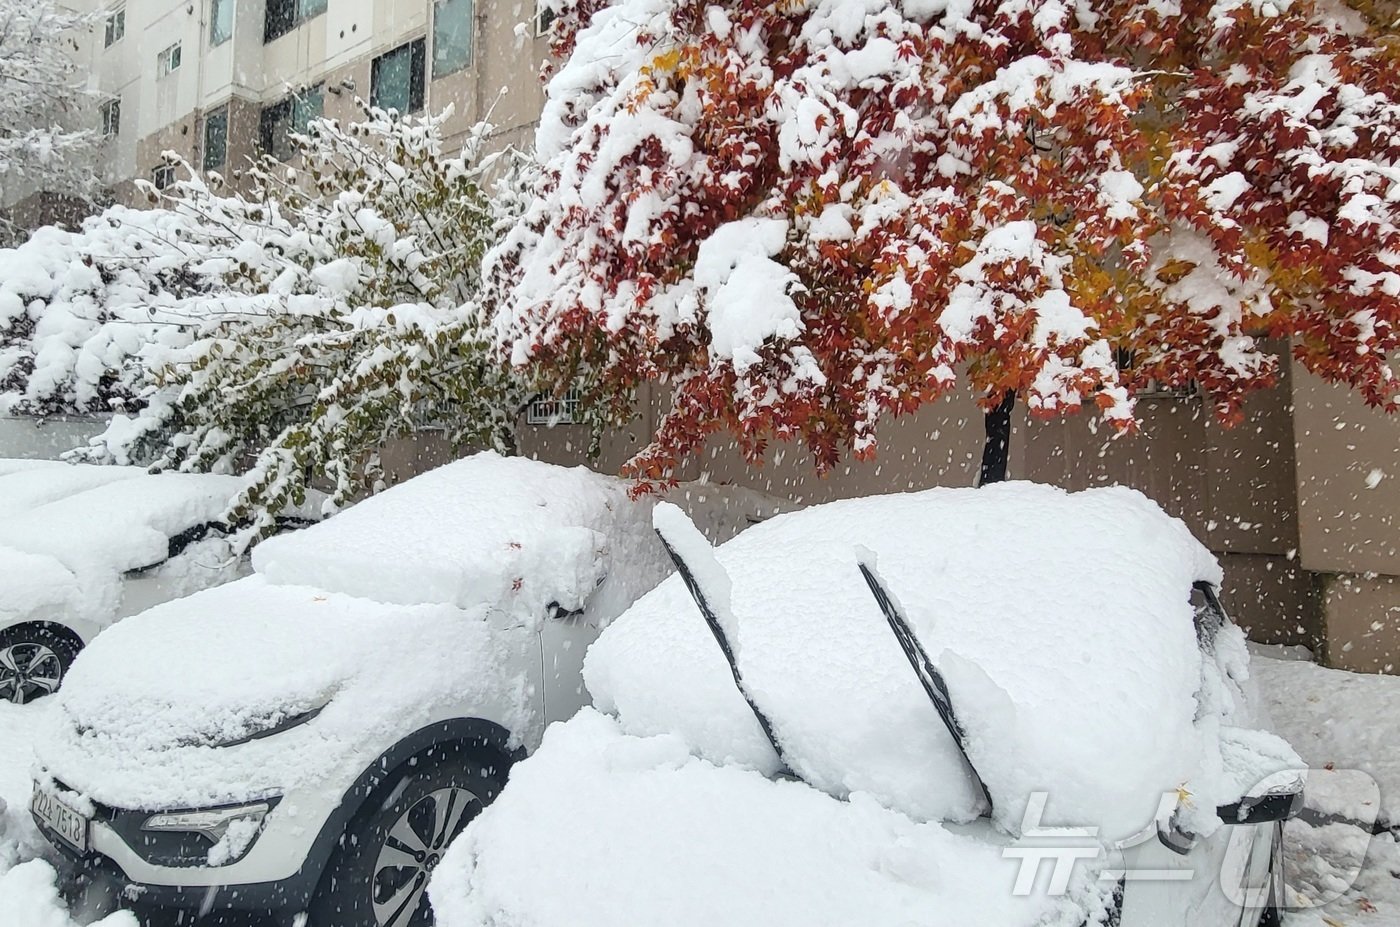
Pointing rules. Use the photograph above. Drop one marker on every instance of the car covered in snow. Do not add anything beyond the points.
(308, 738)
(1008, 706)
(82, 546)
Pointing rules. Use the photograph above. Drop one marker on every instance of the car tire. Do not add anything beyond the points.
(1272, 915)
(378, 874)
(34, 660)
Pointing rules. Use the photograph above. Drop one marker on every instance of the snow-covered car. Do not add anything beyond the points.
(1008, 706)
(82, 546)
(308, 738)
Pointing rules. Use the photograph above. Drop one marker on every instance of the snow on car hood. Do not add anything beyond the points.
(486, 529)
(601, 828)
(1060, 621)
(36, 587)
(147, 705)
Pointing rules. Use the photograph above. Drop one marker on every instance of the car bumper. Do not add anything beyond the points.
(262, 879)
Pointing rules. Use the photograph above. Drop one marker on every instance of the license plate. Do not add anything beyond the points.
(59, 818)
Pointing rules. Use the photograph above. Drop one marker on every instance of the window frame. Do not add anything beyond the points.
(215, 40)
(110, 112)
(549, 411)
(417, 75)
(213, 114)
(169, 59)
(471, 40)
(115, 27)
(163, 170)
(296, 14)
(285, 110)
(544, 18)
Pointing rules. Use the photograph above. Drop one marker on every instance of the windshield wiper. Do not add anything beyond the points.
(929, 676)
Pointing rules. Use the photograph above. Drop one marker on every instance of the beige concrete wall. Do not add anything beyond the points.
(1348, 480)
(1363, 622)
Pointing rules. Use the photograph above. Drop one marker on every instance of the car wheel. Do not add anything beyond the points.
(1272, 915)
(379, 872)
(33, 661)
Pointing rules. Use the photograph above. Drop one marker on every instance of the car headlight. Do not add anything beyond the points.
(230, 831)
(213, 823)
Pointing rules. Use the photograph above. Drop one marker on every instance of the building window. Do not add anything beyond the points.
(285, 15)
(221, 22)
(396, 78)
(452, 36)
(116, 27)
(163, 176)
(168, 60)
(544, 17)
(216, 139)
(111, 118)
(553, 411)
(285, 118)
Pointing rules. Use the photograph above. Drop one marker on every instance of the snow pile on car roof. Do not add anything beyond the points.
(1061, 622)
(601, 828)
(486, 529)
(68, 533)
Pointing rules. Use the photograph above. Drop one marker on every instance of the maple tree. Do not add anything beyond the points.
(803, 216)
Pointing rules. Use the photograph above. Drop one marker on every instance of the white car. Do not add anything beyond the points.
(1009, 707)
(82, 546)
(310, 737)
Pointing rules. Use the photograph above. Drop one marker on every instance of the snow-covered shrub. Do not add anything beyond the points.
(305, 322)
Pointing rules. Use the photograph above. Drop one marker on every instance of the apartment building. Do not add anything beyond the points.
(219, 81)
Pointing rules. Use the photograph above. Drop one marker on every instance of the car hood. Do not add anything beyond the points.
(596, 813)
(149, 710)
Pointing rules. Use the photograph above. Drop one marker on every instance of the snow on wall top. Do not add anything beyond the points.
(487, 529)
(1061, 622)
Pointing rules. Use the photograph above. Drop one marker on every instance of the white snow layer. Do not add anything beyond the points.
(69, 533)
(1060, 621)
(147, 703)
(602, 828)
(486, 529)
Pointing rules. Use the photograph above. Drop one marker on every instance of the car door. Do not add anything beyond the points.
(564, 640)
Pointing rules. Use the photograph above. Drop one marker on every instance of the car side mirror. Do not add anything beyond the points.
(560, 613)
(1275, 805)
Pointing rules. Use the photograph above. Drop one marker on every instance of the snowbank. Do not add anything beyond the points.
(601, 828)
(487, 529)
(1060, 621)
(1336, 719)
(28, 885)
(238, 659)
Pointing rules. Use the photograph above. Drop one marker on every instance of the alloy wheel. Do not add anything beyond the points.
(27, 671)
(412, 849)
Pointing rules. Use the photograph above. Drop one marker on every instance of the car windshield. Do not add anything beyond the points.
(1210, 614)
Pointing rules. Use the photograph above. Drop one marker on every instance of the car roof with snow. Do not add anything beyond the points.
(485, 529)
(27, 484)
(112, 519)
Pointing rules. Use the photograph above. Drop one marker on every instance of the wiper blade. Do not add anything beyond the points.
(929, 676)
(697, 592)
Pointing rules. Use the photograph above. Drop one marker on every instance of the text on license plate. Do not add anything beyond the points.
(59, 818)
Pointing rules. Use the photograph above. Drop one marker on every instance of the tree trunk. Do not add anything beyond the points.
(997, 447)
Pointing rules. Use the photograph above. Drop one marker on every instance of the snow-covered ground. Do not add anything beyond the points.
(1331, 717)
(28, 886)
